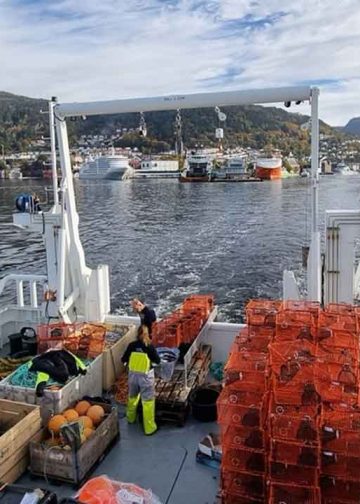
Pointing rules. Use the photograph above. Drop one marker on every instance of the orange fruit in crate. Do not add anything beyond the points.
(96, 413)
(71, 415)
(82, 407)
(88, 432)
(86, 421)
(55, 423)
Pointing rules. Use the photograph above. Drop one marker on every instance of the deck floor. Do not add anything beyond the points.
(165, 463)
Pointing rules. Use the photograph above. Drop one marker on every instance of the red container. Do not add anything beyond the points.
(293, 494)
(262, 312)
(243, 460)
(243, 484)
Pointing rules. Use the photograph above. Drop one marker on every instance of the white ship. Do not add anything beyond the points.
(72, 291)
(157, 168)
(108, 167)
(234, 168)
(198, 167)
(15, 174)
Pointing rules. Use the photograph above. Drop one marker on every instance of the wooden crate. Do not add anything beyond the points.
(19, 423)
(172, 398)
(59, 464)
(112, 365)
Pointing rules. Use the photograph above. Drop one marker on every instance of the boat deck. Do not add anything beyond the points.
(165, 463)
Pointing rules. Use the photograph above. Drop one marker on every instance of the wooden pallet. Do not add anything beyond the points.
(172, 398)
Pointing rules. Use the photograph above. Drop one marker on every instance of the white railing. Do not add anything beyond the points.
(19, 280)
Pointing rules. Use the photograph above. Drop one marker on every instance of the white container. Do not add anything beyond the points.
(56, 401)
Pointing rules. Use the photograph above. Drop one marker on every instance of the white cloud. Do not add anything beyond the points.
(92, 49)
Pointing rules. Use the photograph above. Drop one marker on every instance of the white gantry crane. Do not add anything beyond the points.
(74, 291)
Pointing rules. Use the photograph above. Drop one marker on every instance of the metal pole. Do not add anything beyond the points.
(314, 158)
(52, 104)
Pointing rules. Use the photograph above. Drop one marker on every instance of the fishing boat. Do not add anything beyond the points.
(75, 292)
(268, 168)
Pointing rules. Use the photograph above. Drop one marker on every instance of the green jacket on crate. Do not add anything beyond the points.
(140, 356)
(59, 365)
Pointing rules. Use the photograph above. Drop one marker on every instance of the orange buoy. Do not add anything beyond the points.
(96, 413)
(55, 423)
(71, 415)
(82, 407)
(86, 421)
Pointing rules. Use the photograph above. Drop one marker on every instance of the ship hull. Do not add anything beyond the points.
(268, 173)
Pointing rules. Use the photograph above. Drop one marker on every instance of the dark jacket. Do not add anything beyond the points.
(139, 346)
(147, 317)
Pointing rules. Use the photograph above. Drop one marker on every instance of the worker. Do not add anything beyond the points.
(140, 356)
(147, 315)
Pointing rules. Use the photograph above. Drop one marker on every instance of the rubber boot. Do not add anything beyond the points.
(131, 408)
(150, 426)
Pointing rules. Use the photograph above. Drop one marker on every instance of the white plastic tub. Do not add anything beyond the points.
(56, 401)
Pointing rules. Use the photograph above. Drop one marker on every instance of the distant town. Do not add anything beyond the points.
(335, 153)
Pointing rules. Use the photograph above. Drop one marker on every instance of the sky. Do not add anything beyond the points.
(105, 49)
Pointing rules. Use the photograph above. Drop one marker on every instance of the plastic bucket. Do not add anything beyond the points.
(203, 404)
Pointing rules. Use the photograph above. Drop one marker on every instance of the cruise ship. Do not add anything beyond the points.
(300, 464)
(108, 167)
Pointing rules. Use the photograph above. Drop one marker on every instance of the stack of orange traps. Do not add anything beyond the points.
(82, 339)
(289, 411)
(184, 324)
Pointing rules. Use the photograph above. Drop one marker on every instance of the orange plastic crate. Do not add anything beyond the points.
(243, 460)
(298, 475)
(243, 484)
(297, 305)
(262, 312)
(293, 494)
(236, 436)
(337, 321)
(294, 453)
